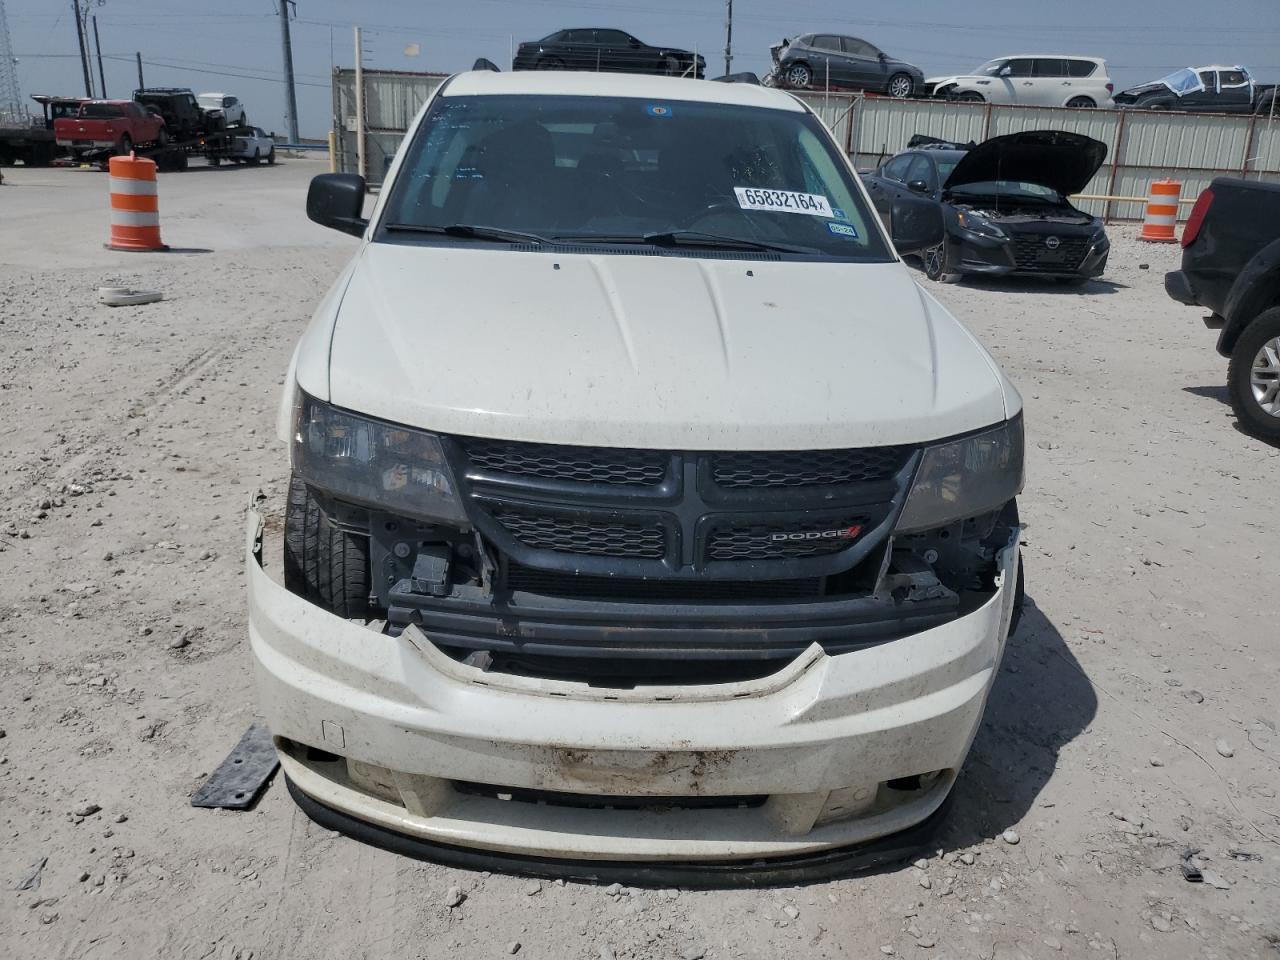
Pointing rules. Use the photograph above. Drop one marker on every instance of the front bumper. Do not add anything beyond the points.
(978, 255)
(828, 752)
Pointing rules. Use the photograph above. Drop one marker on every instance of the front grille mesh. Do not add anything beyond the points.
(807, 468)
(622, 589)
(1031, 253)
(619, 467)
(763, 541)
(637, 540)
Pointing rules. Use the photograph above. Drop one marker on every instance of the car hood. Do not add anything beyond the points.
(1061, 161)
(1151, 87)
(955, 78)
(652, 351)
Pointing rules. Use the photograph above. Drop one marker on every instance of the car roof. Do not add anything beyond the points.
(1048, 56)
(588, 84)
(1218, 66)
(210, 93)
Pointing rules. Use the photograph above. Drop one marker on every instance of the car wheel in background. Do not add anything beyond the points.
(271, 157)
(798, 75)
(971, 96)
(162, 138)
(900, 86)
(328, 566)
(550, 63)
(934, 260)
(125, 146)
(1253, 379)
(1081, 103)
(256, 158)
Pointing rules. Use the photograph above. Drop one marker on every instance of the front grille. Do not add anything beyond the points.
(1031, 253)
(555, 583)
(783, 541)
(619, 467)
(807, 468)
(558, 798)
(638, 540)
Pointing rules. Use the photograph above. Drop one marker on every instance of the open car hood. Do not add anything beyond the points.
(1061, 161)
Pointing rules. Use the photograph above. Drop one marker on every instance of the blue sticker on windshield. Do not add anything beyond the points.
(842, 230)
(837, 212)
(658, 110)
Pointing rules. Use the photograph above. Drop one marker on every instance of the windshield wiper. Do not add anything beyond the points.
(469, 231)
(690, 238)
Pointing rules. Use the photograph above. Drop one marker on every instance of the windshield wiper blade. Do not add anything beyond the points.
(469, 231)
(690, 238)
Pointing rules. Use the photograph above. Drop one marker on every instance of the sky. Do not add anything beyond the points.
(233, 46)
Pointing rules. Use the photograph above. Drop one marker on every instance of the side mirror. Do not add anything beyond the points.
(918, 186)
(337, 200)
(917, 224)
(883, 57)
(1006, 71)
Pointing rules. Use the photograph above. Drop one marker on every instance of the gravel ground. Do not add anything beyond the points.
(1135, 717)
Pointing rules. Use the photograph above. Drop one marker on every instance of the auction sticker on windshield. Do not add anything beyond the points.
(783, 201)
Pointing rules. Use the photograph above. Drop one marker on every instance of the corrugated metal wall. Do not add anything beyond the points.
(1141, 146)
(391, 100)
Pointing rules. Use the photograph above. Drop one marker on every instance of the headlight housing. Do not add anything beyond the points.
(376, 464)
(966, 477)
(979, 225)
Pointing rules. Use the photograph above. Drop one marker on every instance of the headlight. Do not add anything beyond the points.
(979, 225)
(965, 478)
(373, 463)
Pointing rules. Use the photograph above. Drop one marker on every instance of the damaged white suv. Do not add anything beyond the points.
(645, 513)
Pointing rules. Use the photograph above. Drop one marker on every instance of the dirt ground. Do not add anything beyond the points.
(131, 440)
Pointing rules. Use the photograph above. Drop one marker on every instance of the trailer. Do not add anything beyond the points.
(33, 143)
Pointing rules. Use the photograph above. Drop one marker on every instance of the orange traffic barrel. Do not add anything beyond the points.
(1161, 222)
(135, 204)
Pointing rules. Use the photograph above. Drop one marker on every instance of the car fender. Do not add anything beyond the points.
(1256, 288)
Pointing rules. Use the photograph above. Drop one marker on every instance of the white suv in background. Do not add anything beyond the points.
(1033, 80)
(232, 108)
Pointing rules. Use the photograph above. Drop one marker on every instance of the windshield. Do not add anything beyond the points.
(991, 68)
(1183, 81)
(1009, 188)
(210, 102)
(946, 166)
(599, 169)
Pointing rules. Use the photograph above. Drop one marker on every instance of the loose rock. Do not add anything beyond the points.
(1010, 837)
(87, 809)
(1155, 762)
(1224, 749)
(1161, 924)
(513, 947)
(453, 897)
(693, 953)
(792, 911)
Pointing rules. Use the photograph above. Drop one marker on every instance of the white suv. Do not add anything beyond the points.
(643, 507)
(1035, 80)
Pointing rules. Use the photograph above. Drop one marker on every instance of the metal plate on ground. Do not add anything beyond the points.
(239, 779)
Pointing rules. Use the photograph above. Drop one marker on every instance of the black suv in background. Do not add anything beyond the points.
(815, 59)
(1231, 266)
(600, 49)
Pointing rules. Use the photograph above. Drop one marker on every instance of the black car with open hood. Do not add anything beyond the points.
(1005, 203)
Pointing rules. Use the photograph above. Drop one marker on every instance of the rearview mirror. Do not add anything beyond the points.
(917, 224)
(918, 186)
(337, 200)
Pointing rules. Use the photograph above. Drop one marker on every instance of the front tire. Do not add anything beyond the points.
(899, 86)
(1253, 378)
(971, 96)
(271, 157)
(798, 75)
(322, 563)
(1081, 103)
(125, 146)
(256, 158)
(935, 264)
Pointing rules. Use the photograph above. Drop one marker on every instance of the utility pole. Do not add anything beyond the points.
(97, 43)
(360, 157)
(84, 49)
(290, 92)
(728, 37)
(141, 84)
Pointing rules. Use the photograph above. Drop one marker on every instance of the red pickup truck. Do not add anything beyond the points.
(114, 125)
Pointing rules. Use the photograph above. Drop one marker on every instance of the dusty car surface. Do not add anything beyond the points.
(1005, 204)
(643, 507)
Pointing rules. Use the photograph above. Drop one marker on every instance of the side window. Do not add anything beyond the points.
(921, 169)
(612, 38)
(1081, 68)
(1021, 68)
(1209, 79)
(228, 101)
(1233, 78)
(827, 43)
(580, 36)
(858, 48)
(1050, 67)
(896, 169)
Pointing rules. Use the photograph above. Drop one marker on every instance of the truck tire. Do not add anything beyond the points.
(125, 146)
(1253, 378)
(328, 566)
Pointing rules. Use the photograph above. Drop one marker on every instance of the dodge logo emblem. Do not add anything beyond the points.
(844, 533)
(1052, 243)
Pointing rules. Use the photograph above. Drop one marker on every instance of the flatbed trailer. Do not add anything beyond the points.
(176, 155)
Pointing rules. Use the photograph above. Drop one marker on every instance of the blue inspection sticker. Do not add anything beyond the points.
(838, 213)
(658, 110)
(842, 230)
